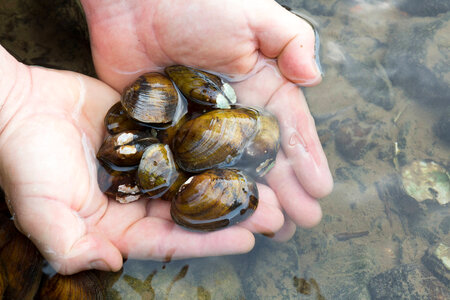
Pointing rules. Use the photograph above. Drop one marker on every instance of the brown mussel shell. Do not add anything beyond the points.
(23, 264)
(83, 285)
(125, 148)
(213, 140)
(157, 170)
(117, 120)
(202, 87)
(214, 199)
(260, 154)
(173, 189)
(152, 98)
(124, 189)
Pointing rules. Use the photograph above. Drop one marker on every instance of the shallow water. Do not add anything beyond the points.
(383, 106)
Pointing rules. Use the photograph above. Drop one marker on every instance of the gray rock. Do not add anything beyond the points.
(409, 64)
(370, 82)
(442, 126)
(437, 260)
(424, 8)
(409, 281)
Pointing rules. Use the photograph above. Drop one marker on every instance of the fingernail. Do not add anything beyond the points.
(100, 264)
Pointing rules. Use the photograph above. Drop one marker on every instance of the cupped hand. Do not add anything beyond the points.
(241, 38)
(51, 125)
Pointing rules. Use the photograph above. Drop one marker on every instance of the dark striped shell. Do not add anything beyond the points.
(117, 120)
(202, 87)
(214, 199)
(125, 148)
(214, 140)
(152, 98)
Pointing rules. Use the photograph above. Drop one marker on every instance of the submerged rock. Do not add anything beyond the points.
(417, 59)
(352, 140)
(424, 8)
(370, 80)
(442, 126)
(437, 260)
(409, 281)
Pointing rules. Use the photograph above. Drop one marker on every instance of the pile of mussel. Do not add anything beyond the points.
(201, 153)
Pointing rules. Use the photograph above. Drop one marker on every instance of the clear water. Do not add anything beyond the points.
(382, 107)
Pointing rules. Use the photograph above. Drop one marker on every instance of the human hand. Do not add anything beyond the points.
(51, 126)
(129, 38)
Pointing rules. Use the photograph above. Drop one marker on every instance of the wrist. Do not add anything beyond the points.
(14, 86)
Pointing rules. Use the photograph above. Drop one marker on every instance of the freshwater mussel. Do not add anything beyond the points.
(152, 98)
(203, 162)
(213, 140)
(157, 170)
(214, 199)
(202, 87)
(125, 148)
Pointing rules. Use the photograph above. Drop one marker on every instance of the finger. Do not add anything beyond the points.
(286, 232)
(291, 39)
(160, 239)
(303, 209)
(299, 136)
(300, 141)
(63, 238)
(268, 218)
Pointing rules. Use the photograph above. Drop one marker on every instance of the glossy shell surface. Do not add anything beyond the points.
(152, 98)
(157, 170)
(215, 139)
(260, 154)
(117, 120)
(202, 87)
(125, 148)
(214, 199)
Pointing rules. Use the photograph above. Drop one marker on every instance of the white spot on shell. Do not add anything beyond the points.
(126, 189)
(124, 138)
(126, 150)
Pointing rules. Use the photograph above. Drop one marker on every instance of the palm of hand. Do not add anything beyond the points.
(56, 199)
(53, 189)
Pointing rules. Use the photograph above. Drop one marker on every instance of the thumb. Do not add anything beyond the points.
(63, 237)
(291, 39)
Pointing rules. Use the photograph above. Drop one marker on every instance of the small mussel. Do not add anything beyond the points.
(152, 98)
(125, 148)
(202, 87)
(117, 120)
(214, 199)
(124, 189)
(213, 140)
(260, 154)
(157, 170)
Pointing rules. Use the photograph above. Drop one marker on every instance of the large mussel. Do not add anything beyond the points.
(202, 87)
(214, 199)
(152, 98)
(213, 140)
(260, 154)
(84, 285)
